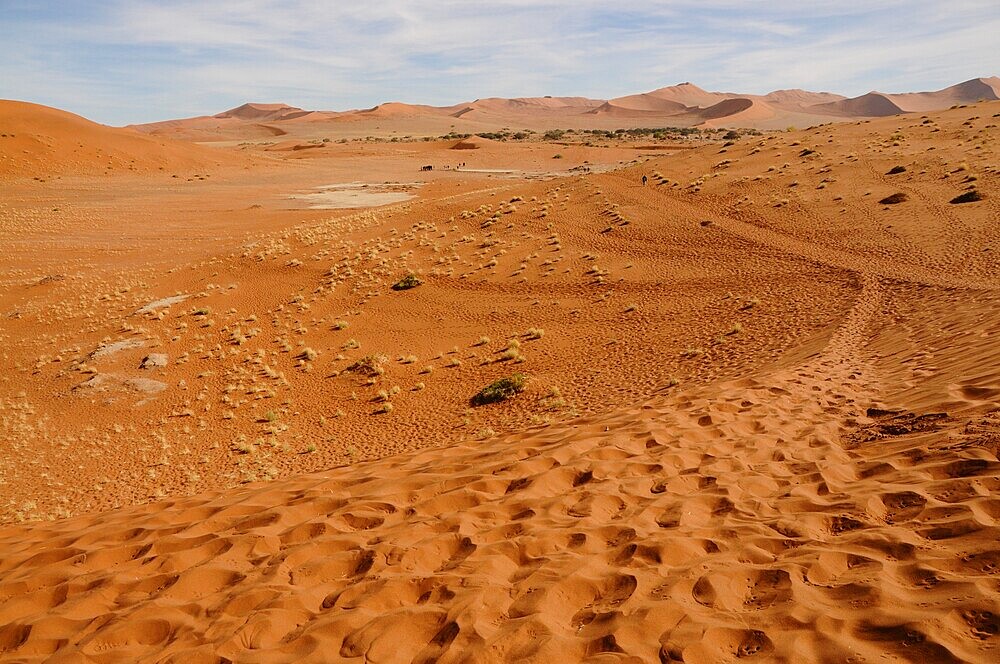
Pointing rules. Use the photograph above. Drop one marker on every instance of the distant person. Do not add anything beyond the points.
(644, 178)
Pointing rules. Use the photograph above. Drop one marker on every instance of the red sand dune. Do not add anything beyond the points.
(761, 421)
(873, 104)
(969, 92)
(613, 109)
(726, 108)
(397, 109)
(689, 95)
(799, 99)
(678, 105)
(878, 104)
(647, 102)
(261, 112)
(39, 140)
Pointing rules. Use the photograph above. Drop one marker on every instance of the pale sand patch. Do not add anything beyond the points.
(357, 195)
(162, 303)
(114, 347)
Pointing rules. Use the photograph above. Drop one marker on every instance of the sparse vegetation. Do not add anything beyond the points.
(500, 390)
(894, 199)
(970, 196)
(406, 283)
(369, 365)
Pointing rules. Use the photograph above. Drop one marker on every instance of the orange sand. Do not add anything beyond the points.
(683, 105)
(761, 421)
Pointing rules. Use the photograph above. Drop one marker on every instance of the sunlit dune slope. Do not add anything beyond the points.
(760, 419)
(37, 140)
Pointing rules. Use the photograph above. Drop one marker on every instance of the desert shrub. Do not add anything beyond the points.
(500, 390)
(406, 283)
(894, 199)
(968, 197)
(369, 365)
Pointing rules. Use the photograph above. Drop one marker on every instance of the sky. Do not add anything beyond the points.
(132, 61)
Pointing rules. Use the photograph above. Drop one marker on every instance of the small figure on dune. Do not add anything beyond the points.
(644, 178)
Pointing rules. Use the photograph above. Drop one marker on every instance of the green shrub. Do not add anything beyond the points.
(894, 199)
(968, 197)
(406, 283)
(369, 365)
(500, 390)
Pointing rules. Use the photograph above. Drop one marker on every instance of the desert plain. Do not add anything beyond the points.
(754, 382)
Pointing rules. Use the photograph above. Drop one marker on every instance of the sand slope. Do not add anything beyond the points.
(878, 104)
(262, 112)
(768, 518)
(43, 141)
(784, 445)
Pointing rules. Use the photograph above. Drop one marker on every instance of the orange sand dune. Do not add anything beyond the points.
(727, 108)
(799, 99)
(873, 104)
(473, 143)
(396, 109)
(678, 105)
(646, 102)
(532, 104)
(613, 109)
(687, 94)
(969, 92)
(877, 104)
(41, 141)
(759, 420)
(261, 112)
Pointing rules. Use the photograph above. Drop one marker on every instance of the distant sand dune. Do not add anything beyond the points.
(678, 105)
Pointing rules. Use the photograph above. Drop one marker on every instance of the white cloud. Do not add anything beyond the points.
(142, 60)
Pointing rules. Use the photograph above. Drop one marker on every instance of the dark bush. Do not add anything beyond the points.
(500, 390)
(406, 283)
(894, 199)
(968, 197)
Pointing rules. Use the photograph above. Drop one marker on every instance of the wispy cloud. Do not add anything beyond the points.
(131, 61)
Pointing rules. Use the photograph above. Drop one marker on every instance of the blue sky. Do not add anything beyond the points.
(123, 61)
